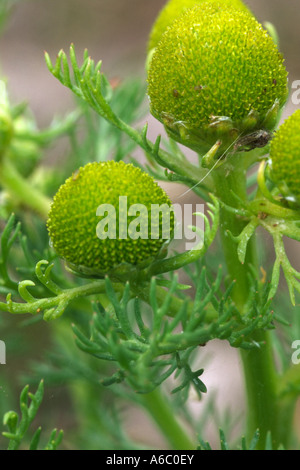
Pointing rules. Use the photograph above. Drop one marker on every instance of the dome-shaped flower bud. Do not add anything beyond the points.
(216, 75)
(285, 156)
(24, 152)
(173, 9)
(107, 214)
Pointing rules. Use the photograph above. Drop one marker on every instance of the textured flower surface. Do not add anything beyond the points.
(73, 222)
(216, 74)
(173, 9)
(285, 154)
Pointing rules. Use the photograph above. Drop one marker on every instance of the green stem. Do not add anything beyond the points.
(165, 159)
(64, 297)
(21, 190)
(259, 368)
(227, 183)
(260, 380)
(165, 417)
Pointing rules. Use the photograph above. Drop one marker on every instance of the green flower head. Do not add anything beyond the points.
(216, 75)
(173, 9)
(285, 156)
(90, 241)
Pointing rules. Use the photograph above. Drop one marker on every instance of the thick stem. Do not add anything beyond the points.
(228, 182)
(21, 190)
(260, 380)
(259, 368)
(164, 416)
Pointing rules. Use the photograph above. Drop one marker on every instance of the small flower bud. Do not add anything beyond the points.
(285, 156)
(216, 75)
(102, 217)
(24, 152)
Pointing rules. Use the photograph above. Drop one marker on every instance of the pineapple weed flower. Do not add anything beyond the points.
(75, 228)
(285, 156)
(216, 75)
